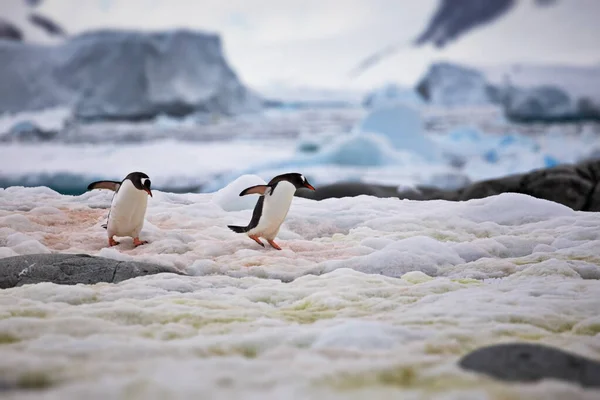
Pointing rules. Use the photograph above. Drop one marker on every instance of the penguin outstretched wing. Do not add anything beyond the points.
(258, 189)
(110, 185)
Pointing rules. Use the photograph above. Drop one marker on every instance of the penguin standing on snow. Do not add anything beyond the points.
(128, 207)
(272, 207)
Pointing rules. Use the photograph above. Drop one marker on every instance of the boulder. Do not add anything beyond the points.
(71, 269)
(123, 75)
(525, 362)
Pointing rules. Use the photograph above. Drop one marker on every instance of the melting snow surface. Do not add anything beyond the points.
(369, 298)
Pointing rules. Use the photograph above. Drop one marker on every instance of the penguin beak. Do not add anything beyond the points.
(148, 191)
(309, 186)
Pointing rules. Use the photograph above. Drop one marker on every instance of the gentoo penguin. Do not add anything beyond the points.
(128, 207)
(272, 207)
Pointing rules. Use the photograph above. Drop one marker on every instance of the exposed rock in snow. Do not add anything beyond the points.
(447, 84)
(123, 75)
(530, 362)
(71, 269)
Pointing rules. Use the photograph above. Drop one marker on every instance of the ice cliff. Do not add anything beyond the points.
(123, 75)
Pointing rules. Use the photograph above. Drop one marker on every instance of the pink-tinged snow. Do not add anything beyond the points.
(384, 296)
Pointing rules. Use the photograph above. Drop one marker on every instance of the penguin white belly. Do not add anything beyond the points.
(127, 211)
(275, 209)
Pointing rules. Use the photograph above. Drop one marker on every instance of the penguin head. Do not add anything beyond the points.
(296, 179)
(141, 181)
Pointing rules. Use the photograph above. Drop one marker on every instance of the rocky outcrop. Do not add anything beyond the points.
(524, 362)
(71, 269)
(575, 186)
(123, 75)
(45, 23)
(9, 32)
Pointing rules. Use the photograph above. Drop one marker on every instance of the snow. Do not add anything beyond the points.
(142, 74)
(382, 297)
(229, 198)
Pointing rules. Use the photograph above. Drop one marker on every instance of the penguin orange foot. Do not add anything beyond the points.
(274, 245)
(272, 206)
(257, 240)
(137, 242)
(112, 242)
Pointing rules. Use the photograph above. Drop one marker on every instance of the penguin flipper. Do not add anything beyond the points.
(258, 189)
(238, 229)
(110, 185)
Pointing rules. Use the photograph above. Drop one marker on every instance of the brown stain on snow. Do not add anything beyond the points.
(59, 230)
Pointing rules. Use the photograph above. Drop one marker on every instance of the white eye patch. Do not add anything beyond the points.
(303, 178)
(143, 180)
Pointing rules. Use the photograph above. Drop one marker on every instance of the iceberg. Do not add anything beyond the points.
(124, 75)
(449, 85)
(402, 125)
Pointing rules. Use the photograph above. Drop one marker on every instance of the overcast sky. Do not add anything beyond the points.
(317, 42)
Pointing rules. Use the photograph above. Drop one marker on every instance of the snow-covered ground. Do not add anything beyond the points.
(383, 297)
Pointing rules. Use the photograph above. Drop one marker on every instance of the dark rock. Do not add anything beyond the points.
(524, 362)
(10, 32)
(28, 131)
(491, 187)
(51, 27)
(347, 189)
(561, 183)
(71, 269)
(575, 186)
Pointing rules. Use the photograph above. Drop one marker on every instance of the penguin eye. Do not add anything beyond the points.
(148, 182)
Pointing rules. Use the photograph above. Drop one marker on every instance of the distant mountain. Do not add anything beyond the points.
(451, 20)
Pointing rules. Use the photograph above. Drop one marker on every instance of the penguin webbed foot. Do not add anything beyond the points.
(274, 245)
(257, 240)
(112, 242)
(137, 242)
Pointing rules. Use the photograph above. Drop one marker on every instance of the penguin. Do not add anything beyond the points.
(128, 207)
(272, 207)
